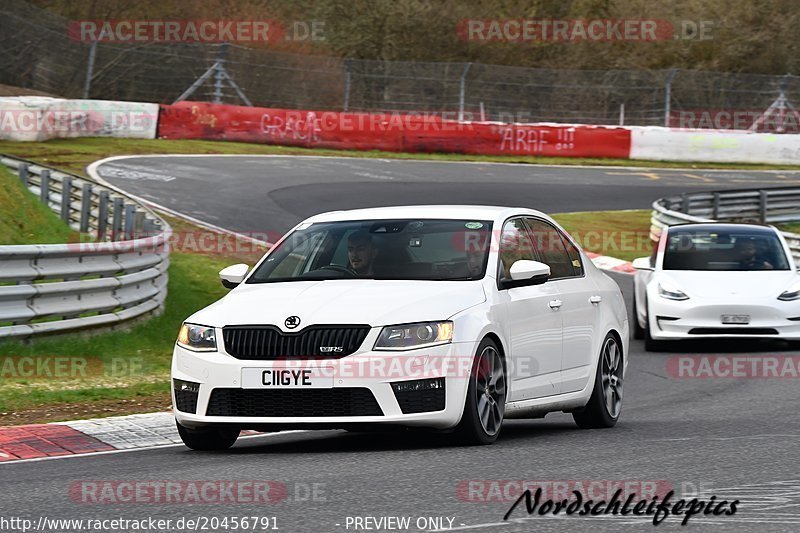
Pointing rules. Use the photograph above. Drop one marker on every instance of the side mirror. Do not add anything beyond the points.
(233, 275)
(642, 263)
(525, 272)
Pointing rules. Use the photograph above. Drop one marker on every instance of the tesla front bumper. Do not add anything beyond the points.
(686, 319)
(423, 387)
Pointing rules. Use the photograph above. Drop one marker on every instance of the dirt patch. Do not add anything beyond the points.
(94, 409)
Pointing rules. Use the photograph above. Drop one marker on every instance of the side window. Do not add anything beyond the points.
(551, 249)
(574, 256)
(515, 244)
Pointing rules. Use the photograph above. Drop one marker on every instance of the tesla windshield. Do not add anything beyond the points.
(406, 249)
(729, 249)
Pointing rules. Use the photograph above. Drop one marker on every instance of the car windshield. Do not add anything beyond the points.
(728, 249)
(404, 249)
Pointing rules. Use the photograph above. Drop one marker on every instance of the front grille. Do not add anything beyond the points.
(733, 331)
(293, 402)
(269, 342)
(428, 396)
(186, 401)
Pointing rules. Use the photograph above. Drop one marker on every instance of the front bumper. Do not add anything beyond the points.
(686, 319)
(356, 380)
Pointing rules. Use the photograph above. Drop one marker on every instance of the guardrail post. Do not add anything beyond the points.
(685, 203)
(86, 207)
(102, 214)
(762, 206)
(715, 206)
(116, 221)
(138, 223)
(130, 212)
(23, 174)
(66, 197)
(44, 189)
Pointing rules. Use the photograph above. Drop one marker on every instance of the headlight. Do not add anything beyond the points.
(670, 292)
(418, 335)
(197, 338)
(792, 293)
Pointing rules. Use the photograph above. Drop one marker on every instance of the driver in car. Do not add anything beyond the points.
(361, 252)
(749, 258)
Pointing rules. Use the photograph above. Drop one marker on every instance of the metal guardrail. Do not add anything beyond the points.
(765, 206)
(116, 273)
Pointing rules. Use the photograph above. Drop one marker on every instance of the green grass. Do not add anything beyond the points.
(75, 154)
(621, 234)
(791, 227)
(193, 284)
(24, 219)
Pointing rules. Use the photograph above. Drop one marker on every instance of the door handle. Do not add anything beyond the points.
(554, 304)
(595, 299)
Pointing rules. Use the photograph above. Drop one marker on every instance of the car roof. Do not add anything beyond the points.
(478, 212)
(723, 226)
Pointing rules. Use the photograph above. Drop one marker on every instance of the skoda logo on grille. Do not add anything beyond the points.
(292, 322)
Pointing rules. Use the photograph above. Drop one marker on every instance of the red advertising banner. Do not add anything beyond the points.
(397, 132)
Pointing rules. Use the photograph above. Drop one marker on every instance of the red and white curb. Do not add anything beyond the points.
(35, 442)
(38, 441)
(605, 262)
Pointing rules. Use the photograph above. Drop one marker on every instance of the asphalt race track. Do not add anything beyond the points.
(260, 194)
(732, 438)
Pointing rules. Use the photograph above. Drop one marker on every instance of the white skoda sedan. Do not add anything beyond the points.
(717, 280)
(451, 318)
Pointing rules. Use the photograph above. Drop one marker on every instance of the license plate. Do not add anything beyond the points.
(287, 378)
(735, 319)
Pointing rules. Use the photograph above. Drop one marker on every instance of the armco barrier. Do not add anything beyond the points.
(38, 118)
(387, 131)
(762, 205)
(122, 274)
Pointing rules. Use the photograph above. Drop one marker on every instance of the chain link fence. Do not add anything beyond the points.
(36, 52)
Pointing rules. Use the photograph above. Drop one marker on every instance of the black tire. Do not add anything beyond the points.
(601, 412)
(638, 331)
(486, 394)
(209, 438)
(650, 344)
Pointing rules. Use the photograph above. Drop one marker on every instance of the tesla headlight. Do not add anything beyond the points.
(198, 338)
(792, 293)
(670, 292)
(418, 335)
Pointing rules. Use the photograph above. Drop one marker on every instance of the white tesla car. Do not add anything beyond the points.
(717, 280)
(442, 317)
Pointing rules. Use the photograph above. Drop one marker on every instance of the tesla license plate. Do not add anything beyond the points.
(735, 319)
(287, 378)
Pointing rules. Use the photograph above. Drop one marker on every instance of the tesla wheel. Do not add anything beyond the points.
(605, 404)
(485, 403)
(638, 331)
(208, 438)
(650, 344)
